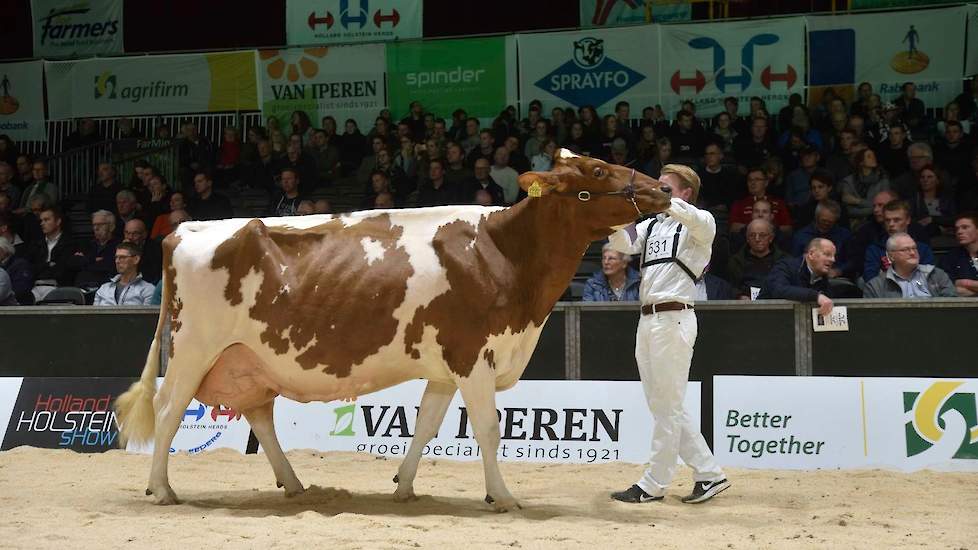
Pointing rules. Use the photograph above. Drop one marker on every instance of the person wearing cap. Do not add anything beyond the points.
(675, 248)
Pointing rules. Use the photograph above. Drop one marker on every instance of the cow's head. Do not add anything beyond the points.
(605, 195)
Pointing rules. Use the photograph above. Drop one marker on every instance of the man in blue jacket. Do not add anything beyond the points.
(896, 219)
(804, 279)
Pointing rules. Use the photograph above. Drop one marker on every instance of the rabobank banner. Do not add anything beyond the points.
(77, 28)
(147, 85)
(22, 101)
(476, 74)
(342, 81)
(540, 421)
(705, 63)
(598, 67)
(311, 22)
(925, 47)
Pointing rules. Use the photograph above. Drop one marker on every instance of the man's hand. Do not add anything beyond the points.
(834, 273)
(824, 305)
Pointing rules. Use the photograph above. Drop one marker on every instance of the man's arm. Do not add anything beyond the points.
(631, 238)
(778, 285)
(966, 287)
(945, 286)
(702, 227)
(6, 288)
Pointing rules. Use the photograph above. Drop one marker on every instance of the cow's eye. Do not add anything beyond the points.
(598, 172)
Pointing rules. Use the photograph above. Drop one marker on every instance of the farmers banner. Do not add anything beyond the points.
(598, 67)
(22, 101)
(613, 13)
(887, 49)
(157, 84)
(310, 22)
(705, 63)
(72, 28)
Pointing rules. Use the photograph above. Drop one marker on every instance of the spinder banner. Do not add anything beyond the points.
(705, 63)
(598, 67)
(887, 49)
(342, 81)
(310, 22)
(158, 84)
(22, 101)
(613, 13)
(540, 421)
(477, 74)
(71, 28)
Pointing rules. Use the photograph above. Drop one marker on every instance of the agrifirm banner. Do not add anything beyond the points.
(157, 84)
(540, 421)
(887, 49)
(22, 101)
(478, 75)
(598, 67)
(72, 28)
(705, 63)
(342, 81)
(824, 422)
(971, 64)
(613, 13)
(310, 22)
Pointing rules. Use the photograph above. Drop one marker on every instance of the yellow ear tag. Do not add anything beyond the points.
(535, 190)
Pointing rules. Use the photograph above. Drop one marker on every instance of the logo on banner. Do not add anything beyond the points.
(345, 415)
(721, 79)
(105, 85)
(941, 417)
(70, 26)
(211, 423)
(911, 60)
(590, 77)
(8, 103)
(354, 18)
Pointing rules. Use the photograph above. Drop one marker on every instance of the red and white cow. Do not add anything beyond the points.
(319, 308)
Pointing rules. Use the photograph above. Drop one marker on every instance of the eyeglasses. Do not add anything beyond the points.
(905, 249)
(758, 235)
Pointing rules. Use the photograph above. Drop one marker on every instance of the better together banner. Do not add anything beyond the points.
(475, 74)
(22, 101)
(705, 63)
(330, 21)
(193, 83)
(67, 28)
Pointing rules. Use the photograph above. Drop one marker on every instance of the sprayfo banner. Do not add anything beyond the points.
(342, 81)
(823, 422)
(67, 28)
(310, 22)
(613, 13)
(22, 101)
(706, 63)
(148, 85)
(599, 67)
(540, 421)
(478, 75)
(887, 49)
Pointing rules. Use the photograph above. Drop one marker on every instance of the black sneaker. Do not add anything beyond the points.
(634, 495)
(705, 490)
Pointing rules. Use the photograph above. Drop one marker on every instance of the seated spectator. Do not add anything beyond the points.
(467, 131)
(953, 152)
(505, 176)
(687, 138)
(822, 189)
(534, 144)
(646, 145)
(161, 226)
(7, 186)
(961, 262)
(859, 188)
(302, 165)
(839, 162)
(383, 201)
(752, 263)
(228, 157)
(825, 226)
(24, 176)
(543, 161)
(952, 113)
(322, 206)
(7, 297)
(774, 170)
(918, 155)
(30, 225)
(907, 277)
(287, 202)
(7, 232)
(740, 212)
(578, 140)
(896, 219)
(720, 185)
(754, 148)
(615, 282)
(406, 160)
(803, 279)
(762, 211)
(196, 152)
(50, 255)
(799, 181)
(151, 261)
(932, 206)
(176, 218)
(379, 183)
(208, 204)
(456, 173)
(912, 109)
(128, 287)
(893, 154)
(619, 153)
(725, 133)
(95, 260)
(260, 174)
(435, 191)
(485, 149)
(482, 181)
(483, 198)
(40, 185)
(127, 208)
(18, 271)
(157, 202)
(352, 144)
(103, 193)
(306, 208)
(663, 156)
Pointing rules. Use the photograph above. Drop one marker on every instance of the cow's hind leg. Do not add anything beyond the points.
(434, 404)
(479, 392)
(262, 423)
(170, 403)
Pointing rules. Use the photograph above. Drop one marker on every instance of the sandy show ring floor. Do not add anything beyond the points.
(52, 497)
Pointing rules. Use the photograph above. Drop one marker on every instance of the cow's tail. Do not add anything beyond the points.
(134, 408)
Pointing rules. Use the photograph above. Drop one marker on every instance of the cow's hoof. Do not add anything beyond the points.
(503, 505)
(293, 492)
(164, 497)
(397, 478)
(406, 495)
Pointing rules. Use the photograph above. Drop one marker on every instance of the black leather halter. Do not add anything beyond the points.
(628, 192)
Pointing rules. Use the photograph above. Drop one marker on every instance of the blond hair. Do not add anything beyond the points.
(689, 178)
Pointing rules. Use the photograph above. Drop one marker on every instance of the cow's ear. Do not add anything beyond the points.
(538, 184)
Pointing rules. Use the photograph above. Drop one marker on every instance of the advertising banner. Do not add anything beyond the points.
(71, 28)
(9, 389)
(22, 101)
(613, 13)
(598, 67)
(478, 75)
(887, 49)
(540, 421)
(342, 81)
(705, 63)
(159, 84)
(310, 22)
(971, 63)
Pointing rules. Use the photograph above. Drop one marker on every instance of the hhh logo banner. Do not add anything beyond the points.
(318, 22)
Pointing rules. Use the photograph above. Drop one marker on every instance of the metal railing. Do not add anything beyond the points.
(75, 171)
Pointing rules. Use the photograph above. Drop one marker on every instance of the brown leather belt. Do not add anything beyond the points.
(652, 309)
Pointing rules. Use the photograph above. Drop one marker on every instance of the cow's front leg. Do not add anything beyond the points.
(434, 403)
(479, 393)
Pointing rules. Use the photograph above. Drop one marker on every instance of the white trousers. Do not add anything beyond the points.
(663, 351)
